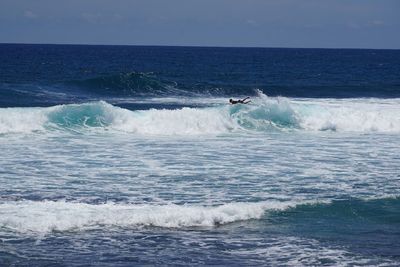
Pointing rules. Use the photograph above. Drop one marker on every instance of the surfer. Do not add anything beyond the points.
(240, 101)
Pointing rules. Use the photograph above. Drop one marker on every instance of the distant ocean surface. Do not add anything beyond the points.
(132, 155)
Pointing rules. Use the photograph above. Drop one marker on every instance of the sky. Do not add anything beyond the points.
(237, 23)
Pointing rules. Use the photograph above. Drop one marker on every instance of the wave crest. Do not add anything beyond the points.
(263, 115)
(47, 216)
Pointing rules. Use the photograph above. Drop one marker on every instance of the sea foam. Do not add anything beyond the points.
(262, 115)
(42, 217)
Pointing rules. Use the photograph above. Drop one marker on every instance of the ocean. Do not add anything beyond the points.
(132, 155)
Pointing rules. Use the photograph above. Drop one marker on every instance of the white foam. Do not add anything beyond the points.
(299, 251)
(47, 216)
(345, 115)
(21, 120)
(350, 116)
(185, 121)
(311, 115)
(264, 112)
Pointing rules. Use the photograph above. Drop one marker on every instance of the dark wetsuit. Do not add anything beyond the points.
(239, 101)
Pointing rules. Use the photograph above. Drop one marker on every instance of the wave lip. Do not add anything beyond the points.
(48, 216)
(266, 114)
(96, 114)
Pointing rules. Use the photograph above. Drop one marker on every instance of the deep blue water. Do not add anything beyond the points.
(79, 73)
(131, 155)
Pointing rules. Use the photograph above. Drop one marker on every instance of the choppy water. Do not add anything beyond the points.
(107, 167)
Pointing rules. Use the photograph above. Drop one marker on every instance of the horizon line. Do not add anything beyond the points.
(198, 46)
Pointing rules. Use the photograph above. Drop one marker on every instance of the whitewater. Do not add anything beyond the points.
(77, 171)
(262, 115)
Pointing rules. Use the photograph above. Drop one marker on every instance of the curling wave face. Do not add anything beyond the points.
(263, 115)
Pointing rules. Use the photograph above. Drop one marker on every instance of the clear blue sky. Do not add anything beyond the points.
(261, 23)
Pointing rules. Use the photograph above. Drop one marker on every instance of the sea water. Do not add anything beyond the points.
(123, 156)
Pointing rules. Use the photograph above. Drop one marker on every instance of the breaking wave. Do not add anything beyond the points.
(264, 114)
(43, 217)
(47, 216)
